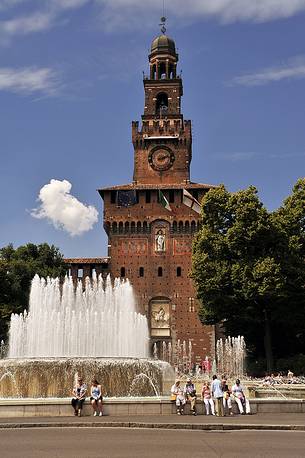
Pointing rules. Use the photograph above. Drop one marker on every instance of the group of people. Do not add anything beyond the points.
(80, 392)
(217, 397)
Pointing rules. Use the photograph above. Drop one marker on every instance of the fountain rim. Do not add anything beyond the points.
(91, 358)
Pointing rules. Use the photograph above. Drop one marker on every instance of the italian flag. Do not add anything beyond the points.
(163, 201)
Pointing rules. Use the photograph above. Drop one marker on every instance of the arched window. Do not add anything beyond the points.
(127, 226)
(139, 226)
(154, 72)
(162, 71)
(133, 227)
(180, 226)
(145, 227)
(121, 227)
(160, 272)
(193, 226)
(187, 226)
(162, 104)
(123, 272)
(115, 227)
(175, 226)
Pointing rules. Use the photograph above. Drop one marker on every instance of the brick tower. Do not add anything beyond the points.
(151, 222)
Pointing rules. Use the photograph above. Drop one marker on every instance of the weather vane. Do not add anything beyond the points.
(163, 20)
(163, 28)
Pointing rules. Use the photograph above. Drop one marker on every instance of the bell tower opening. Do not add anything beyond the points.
(162, 103)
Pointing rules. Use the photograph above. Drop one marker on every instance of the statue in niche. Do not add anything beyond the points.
(160, 240)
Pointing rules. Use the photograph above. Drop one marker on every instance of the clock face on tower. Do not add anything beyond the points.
(161, 158)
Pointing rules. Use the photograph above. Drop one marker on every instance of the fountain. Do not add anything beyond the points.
(231, 354)
(93, 330)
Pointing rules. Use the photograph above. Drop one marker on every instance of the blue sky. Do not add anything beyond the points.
(71, 83)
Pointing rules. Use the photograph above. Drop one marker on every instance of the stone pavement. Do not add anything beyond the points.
(289, 421)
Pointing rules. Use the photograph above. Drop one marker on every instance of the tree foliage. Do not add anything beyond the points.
(17, 268)
(248, 268)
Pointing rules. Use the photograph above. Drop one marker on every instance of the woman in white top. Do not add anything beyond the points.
(178, 397)
(96, 398)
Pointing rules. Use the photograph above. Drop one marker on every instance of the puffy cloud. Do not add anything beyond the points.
(63, 210)
(29, 80)
(292, 69)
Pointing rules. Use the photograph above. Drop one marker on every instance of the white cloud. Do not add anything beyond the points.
(23, 25)
(63, 210)
(43, 18)
(293, 69)
(115, 14)
(224, 10)
(29, 80)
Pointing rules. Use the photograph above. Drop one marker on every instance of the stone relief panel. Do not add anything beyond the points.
(130, 247)
(182, 246)
(159, 318)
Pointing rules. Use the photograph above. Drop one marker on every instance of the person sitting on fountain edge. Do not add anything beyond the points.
(240, 398)
(190, 394)
(177, 396)
(79, 395)
(96, 398)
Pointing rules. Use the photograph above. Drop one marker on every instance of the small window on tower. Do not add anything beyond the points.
(172, 196)
(179, 271)
(160, 271)
(113, 197)
(141, 271)
(123, 272)
(147, 197)
(80, 273)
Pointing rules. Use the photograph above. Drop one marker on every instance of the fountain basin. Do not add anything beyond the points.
(128, 407)
(54, 377)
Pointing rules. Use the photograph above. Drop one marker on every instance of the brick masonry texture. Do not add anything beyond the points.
(147, 243)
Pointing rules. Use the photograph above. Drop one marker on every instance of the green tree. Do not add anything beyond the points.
(248, 268)
(17, 268)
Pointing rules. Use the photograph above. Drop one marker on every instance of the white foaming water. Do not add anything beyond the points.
(231, 354)
(99, 321)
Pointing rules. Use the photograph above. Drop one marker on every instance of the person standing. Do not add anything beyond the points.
(79, 395)
(217, 394)
(96, 398)
(207, 399)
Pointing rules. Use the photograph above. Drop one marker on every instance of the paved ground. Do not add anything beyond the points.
(267, 422)
(257, 419)
(144, 443)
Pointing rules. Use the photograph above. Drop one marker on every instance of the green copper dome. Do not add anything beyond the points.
(163, 44)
